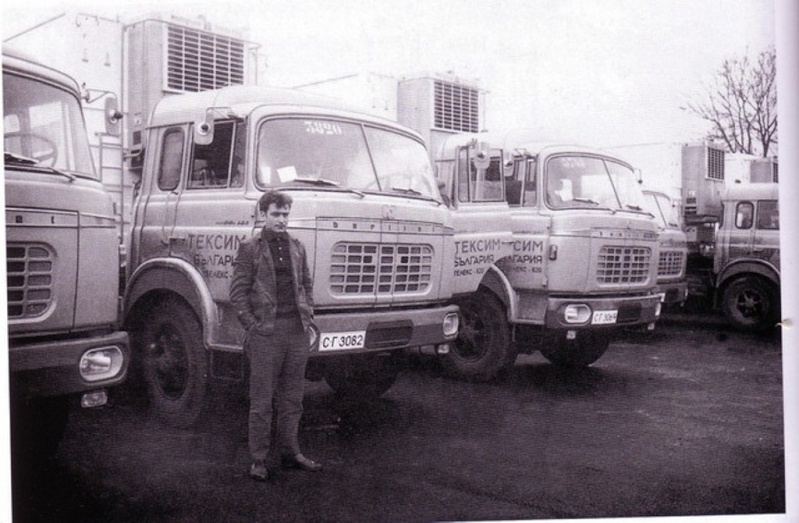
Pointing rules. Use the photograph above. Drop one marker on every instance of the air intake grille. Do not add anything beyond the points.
(715, 163)
(373, 268)
(198, 61)
(29, 278)
(456, 107)
(670, 264)
(623, 265)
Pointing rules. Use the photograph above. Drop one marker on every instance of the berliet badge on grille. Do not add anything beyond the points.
(388, 212)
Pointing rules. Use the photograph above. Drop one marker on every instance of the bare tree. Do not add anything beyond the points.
(742, 104)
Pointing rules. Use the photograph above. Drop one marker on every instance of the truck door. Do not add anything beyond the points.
(766, 234)
(526, 269)
(740, 233)
(213, 215)
(156, 219)
(481, 217)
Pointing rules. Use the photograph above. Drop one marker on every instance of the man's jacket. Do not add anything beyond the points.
(253, 288)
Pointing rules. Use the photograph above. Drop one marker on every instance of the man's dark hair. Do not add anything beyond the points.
(280, 199)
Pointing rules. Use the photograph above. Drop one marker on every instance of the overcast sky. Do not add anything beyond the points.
(603, 72)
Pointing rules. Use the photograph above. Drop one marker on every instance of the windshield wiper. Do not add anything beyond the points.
(638, 208)
(24, 160)
(414, 192)
(20, 159)
(328, 183)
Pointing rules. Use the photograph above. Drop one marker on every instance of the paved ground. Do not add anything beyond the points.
(683, 421)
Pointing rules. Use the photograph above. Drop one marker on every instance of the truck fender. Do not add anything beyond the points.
(175, 276)
(764, 269)
(498, 284)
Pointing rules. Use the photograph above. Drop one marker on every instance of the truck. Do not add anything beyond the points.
(583, 252)
(671, 281)
(744, 279)
(366, 207)
(726, 270)
(62, 257)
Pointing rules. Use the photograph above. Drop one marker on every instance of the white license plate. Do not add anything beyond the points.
(604, 317)
(342, 340)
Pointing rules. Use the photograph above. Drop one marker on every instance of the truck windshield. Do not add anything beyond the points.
(665, 213)
(43, 128)
(340, 155)
(587, 182)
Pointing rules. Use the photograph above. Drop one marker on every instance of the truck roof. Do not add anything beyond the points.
(751, 191)
(15, 60)
(179, 109)
(521, 140)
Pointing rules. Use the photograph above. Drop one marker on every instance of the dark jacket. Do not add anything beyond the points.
(253, 289)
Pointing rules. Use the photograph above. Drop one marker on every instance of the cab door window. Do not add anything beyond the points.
(479, 185)
(211, 164)
(171, 160)
(744, 213)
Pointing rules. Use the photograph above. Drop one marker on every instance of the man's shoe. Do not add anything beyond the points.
(300, 462)
(258, 470)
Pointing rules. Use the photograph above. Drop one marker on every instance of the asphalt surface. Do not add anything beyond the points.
(683, 421)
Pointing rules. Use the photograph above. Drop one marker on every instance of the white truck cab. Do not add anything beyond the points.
(366, 207)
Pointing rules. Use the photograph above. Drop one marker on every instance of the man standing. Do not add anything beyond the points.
(272, 293)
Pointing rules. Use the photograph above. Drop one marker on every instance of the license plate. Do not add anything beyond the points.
(604, 317)
(342, 340)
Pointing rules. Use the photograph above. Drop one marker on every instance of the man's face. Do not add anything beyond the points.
(277, 218)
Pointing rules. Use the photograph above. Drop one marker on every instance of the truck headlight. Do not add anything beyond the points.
(576, 313)
(101, 364)
(450, 324)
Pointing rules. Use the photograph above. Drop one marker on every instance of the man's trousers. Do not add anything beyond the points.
(277, 372)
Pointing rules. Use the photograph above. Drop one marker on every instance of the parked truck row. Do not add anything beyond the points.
(479, 246)
(728, 208)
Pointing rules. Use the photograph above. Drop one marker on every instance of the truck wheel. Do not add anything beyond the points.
(361, 377)
(175, 366)
(483, 347)
(580, 352)
(751, 303)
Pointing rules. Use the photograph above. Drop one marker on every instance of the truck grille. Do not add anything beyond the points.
(623, 265)
(29, 279)
(670, 264)
(376, 268)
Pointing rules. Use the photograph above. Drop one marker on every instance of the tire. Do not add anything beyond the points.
(37, 427)
(483, 348)
(363, 377)
(174, 363)
(580, 352)
(751, 303)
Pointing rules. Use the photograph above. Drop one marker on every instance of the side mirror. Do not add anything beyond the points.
(507, 164)
(204, 128)
(482, 158)
(113, 118)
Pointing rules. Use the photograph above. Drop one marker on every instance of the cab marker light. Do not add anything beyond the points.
(96, 398)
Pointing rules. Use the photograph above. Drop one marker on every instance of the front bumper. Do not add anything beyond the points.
(53, 368)
(375, 330)
(629, 311)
